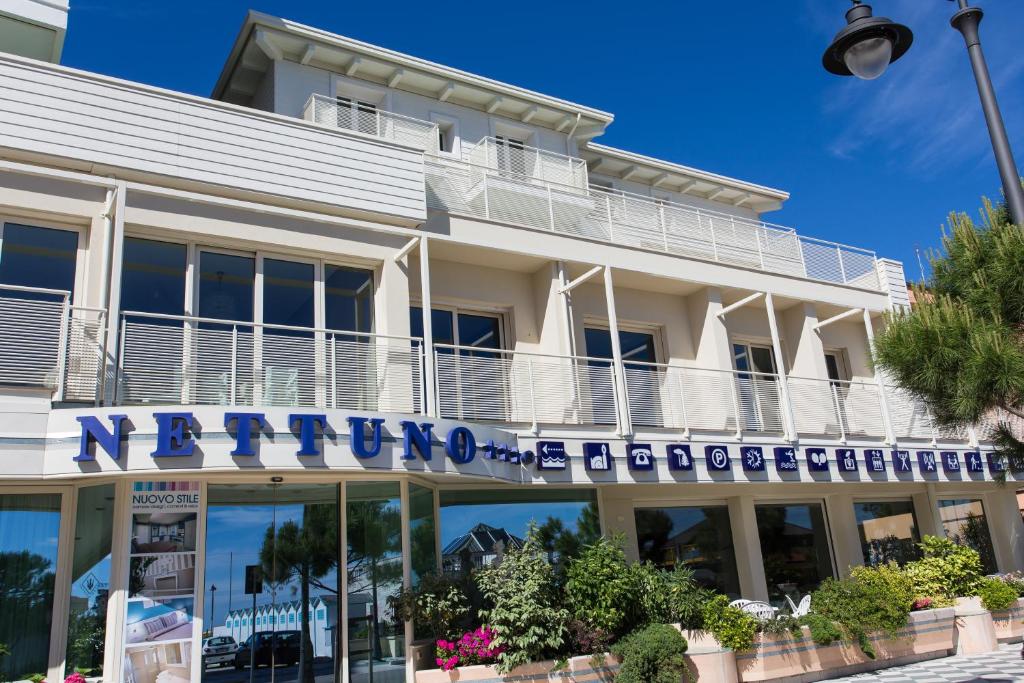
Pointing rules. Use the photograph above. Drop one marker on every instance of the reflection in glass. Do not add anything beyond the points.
(90, 579)
(638, 352)
(348, 299)
(291, 533)
(29, 530)
(696, 537)
(153, 278)
(37, 257)
(422, 528)
(477, 527)
(795, 549)
(226, 285)
(888, 531)
(964, 522)
(376, 642)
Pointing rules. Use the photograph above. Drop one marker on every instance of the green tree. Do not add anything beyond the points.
(305, 553)
(374, 541)
(961, 348)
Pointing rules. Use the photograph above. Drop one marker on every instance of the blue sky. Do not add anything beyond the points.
(732, 87)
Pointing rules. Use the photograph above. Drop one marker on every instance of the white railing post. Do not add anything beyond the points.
(842, 268)
(487, 202)
(421, 385)
(62, 349)
(887, 422)
(119, 367)
(534, 429)
(608, 210)
(760, 251)
(234, 362)
(800, 250)
(714, 237)
(682, 404)
(334, 370)
(733, 380)
(788, 421)
(551, 208)
(664, 228)
(839, 412)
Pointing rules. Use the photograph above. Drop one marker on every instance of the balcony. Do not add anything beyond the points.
(369, 120)
(46, 343)
(190, 360)
(526, 187)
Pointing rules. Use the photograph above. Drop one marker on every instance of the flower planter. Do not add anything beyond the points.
(1009, 623)
(578, 670)
(929, 634)
(975, 629)
(708, 661)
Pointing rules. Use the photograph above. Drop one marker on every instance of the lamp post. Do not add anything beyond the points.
(868, 44)
(213, 605)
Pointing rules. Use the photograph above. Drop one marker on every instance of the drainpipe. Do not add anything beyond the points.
(568, 139)
(108, 230)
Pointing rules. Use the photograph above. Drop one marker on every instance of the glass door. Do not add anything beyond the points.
(289, 533)
(642, 385)
(756, 380)
(223, 353)
(287, 342)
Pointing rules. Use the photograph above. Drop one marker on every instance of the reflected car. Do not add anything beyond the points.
(283, 645)
(219, 651)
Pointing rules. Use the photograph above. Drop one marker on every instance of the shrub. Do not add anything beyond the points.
(872, 599)
(474, 647)
(524, 607)
(1016, 581)
(823, 630)
(732, 627)
(947, 571)
(584, 639)
(922, 604)
(652, 655)
(686, 598)
(892, 593)
(996, 594)
(651, 600)
(76, 677)
(599, 588)
(438, 602)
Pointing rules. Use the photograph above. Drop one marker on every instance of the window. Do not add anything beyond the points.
(226, 286)
(888, 531)
(835, 365)
(759, 398)
(512, 155)
(357, 114)
(470, 330)
(153, 277)
(638, 351)
(37, 257)
(795, 549)
(29, 532)
(699, 538)
(348, 299)
(964, 522)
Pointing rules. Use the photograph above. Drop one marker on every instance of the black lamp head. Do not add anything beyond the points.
(867, 43)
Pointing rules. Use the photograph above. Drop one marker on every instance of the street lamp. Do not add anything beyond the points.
(868, 44)
(213, 603)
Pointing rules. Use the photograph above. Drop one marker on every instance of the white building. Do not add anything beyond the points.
(202, 293)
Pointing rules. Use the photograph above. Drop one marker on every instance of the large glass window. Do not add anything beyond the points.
(759, 399)
(90, 579)
(699, 538)
(794, 547)
(348, 299)
(478, 526)
(153, 277)
(226, 285)
(37, 257)
(964, 521)
(29, 533)
(290, 532)
(376, 641)
(289, 356)
(888, 531)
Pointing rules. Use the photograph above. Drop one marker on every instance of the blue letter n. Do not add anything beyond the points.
(93, 430)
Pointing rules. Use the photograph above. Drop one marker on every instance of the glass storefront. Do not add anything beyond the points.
(699, 538)
(888, 531)
(29, 540)
(90, 579)
(963, 521)
(795, 549)
(290, 533)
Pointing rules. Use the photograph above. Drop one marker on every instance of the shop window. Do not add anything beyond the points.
(964, 522)
(477, 527)
(888, 531)
(374, 524)
(31, 256)
(795, 549)
(29, 531)
(90, 579)
(699, 538)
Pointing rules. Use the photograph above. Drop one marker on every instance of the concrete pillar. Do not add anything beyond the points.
(617, 517)
(842, 527)
(925, 515)
(711, 336)
(391, 302)
(1006, 527)
(806, 352)
(747, 545)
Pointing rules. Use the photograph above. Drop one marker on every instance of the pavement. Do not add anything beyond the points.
(1003, 666)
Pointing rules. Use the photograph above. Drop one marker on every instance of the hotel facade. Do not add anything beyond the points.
(358, 316)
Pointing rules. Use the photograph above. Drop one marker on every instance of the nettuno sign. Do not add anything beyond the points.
(174, 437)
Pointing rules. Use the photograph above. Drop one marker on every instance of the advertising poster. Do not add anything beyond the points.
(158, 645)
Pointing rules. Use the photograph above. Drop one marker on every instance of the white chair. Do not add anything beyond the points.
(739, 603)
(760, 610)
(802, 609)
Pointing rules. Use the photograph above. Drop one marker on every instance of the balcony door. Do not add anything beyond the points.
(643, 385)
(512, 156)
(757, 388)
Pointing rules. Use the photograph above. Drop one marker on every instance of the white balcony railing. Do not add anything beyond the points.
(180, 359)
(45, 342)
(483, 188)
(350, 115)
(527, 164)
(516, 387)
(837, 409)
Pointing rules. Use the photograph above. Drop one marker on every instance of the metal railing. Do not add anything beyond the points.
(479, 187)
(187, 359)
(528, 164)
(517, 387)
(362, 118)
(689, 398)
(45, 342)
(838, 409)
(912, 419)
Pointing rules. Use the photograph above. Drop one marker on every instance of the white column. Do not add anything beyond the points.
(780, 364)
(428, 330)
(747, 545)
(113, 302)
(842, 525)
(1006, 527)
(410, 675)
(625, 428)
(890, 433)
(568, 323)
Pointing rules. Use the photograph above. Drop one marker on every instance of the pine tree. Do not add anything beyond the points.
(961, 348)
